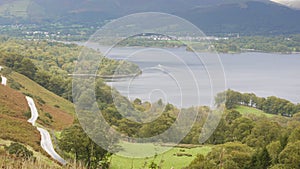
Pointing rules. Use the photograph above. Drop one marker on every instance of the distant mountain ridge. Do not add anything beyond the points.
(249, 18)
(213, 16)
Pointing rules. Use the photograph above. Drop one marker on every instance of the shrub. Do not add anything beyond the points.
(15, 85)
(27, 114)
(28, 94)
(40, 100)
(19, 151)
(48, 115)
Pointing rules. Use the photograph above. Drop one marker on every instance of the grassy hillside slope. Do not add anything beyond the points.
(13, 123)
(55, 113)
(61, 111)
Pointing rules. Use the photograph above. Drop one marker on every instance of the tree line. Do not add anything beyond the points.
(278, 44)
(271, 105)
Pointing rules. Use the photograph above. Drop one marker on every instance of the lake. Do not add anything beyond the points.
(179, 77)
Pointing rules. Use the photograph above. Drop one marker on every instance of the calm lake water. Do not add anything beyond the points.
(178, 77)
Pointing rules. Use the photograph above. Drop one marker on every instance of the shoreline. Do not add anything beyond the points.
(82, 43)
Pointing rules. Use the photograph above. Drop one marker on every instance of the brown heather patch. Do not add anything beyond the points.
(60, 119)
(13, 123)
(14, 101)
(19, 130)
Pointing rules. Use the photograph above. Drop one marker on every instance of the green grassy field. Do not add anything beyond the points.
(250, 110)
(166, 160)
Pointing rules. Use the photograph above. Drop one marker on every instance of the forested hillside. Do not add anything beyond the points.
(50, 63)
